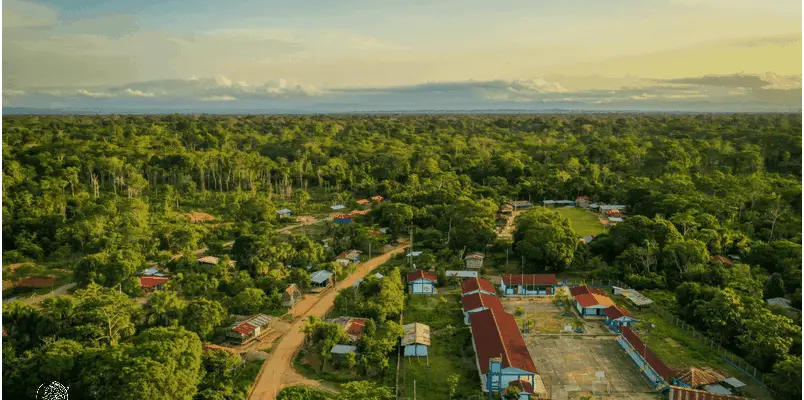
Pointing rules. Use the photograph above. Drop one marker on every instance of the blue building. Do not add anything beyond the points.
(422, 282)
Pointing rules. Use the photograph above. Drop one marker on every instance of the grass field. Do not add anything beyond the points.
(582, 222)
(450, 351)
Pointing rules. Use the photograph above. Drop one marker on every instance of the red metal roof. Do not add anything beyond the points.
(591, 300)
(663, 370)
(355, 327)
(415, 275)
(147, 282)
(496, 334)
(529, 279)
(472, 284)
(478, 300)
(586, 290)
(244, 329)
(582, 198)
(524, 386)
(616, 311)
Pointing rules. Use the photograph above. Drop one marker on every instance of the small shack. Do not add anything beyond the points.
(582, 201)
(339, 351)
(520, 205)
(377, 199)
(474, 260)
(353, 326)
(363, 202)
(322, 278)
(250, 329)
(422, 282)
(291, 295)
(151, 283)
(693, 377)
(337, 207)
(416, 339)
(153, 271)
(348, 257)
(210, 260)
(284, 213)
(342, 218)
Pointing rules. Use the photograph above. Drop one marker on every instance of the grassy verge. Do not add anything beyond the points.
(678, 350)
(245, 379)
(583, 222)
(450, 352)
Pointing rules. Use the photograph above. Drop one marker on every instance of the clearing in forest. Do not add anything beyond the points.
(582, 222)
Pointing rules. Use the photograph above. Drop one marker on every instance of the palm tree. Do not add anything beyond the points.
(164, 308)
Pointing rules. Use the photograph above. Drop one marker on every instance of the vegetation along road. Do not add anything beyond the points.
(277, 371)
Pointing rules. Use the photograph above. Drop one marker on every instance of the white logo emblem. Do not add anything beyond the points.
(52, 391)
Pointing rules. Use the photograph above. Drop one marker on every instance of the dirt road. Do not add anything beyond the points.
(33, 300)
(277, 371)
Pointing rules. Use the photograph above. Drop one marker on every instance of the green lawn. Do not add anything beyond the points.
(450, 351)
(582, 221)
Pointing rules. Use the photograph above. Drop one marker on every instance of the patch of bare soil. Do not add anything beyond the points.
(306, 219)
(13, 267)
(196, 216)
(37, 282)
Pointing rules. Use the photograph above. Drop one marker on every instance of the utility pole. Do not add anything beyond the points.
(506, 257)
(414, 390)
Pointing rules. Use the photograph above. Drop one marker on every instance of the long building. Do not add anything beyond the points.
(502, 355)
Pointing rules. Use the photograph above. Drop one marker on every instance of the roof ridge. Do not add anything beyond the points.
(502, 340)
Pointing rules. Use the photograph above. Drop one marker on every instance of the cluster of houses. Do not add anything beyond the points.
(502, 357)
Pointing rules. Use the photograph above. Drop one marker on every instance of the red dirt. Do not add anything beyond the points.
(196, 216)
(36, 282)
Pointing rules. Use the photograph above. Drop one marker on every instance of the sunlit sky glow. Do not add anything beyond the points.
(736, 55)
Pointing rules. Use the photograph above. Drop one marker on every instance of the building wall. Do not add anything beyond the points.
(474, 263)
(508, 375)
(421, 286)
(527, 290)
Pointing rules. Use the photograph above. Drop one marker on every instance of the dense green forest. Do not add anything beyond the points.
(101, 195)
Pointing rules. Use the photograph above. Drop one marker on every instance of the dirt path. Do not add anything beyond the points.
(277, 371)
(33, 300)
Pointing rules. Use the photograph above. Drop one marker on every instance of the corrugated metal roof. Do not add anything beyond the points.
(497, 334)
(208, 260)
(343, 349)
(321, 276)
(529, 279)
(462, 274)
(338, 207)
(416, 333)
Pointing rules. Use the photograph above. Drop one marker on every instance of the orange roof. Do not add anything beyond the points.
(363, 201)
(696, 377)
(592, 300)
(147, 282)
(377, 198)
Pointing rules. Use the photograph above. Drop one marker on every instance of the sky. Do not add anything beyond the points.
(378, 55)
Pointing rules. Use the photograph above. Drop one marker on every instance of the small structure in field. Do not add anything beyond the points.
(363, 202)
(506, 209)
(377, 199)
(474, 260)
(416, 339)
(153, 271)
(722, 260)
(606, 207)
(615, 220)
(250, 328)
(208, 260)
(291, 295)
(337, 207)
(635, 297)
(284, 213)
(322, 278)
(528, 284)
(693, 377)
(151, 283)
(422, 282)
(588, 239)
(342, 218)
(582, 201)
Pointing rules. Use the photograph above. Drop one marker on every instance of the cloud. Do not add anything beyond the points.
(137, 93)
(780, 41)
(25, 14)
(13, 92)
(219, 98)
(730, 81)
(96, 95)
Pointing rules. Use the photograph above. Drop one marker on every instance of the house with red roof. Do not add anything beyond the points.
(528, 284)
(151, 283)
(250, 329)
(592, 304)
(477, 302)
(353, 326)
(422, 282)
(619, 316)
(574, 291)
(477, 285)
(501, 354)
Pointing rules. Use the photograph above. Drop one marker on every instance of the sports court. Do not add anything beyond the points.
(568, 367)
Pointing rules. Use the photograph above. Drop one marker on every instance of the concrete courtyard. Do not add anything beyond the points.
(568, 366)
(549, 318)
